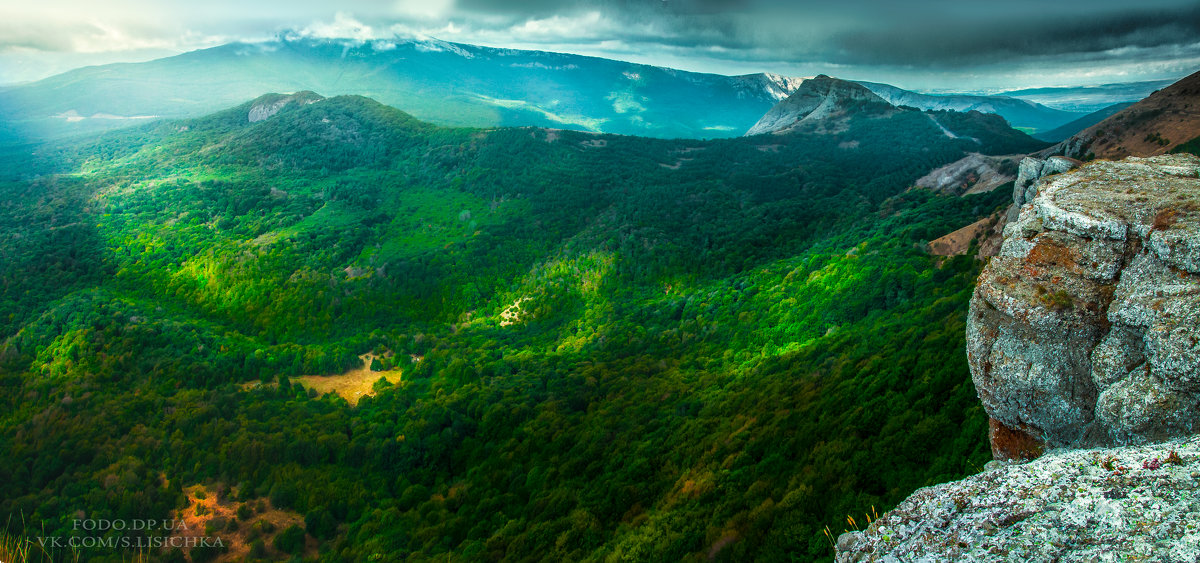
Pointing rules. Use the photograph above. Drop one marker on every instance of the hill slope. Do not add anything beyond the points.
(1153, 126)
(821, 100)
(1063, 132)
(611, 347)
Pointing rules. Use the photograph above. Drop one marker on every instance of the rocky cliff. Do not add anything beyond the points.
(817, 99)
(1084, 332)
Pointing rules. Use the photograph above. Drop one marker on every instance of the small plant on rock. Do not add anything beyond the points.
(1173, 458)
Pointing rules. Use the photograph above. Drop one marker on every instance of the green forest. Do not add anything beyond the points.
(610, 348)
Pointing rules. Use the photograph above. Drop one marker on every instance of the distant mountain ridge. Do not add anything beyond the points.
(1089, 98)
(1018, 112)
(447, 83)
(1062, 132)
(1164, 120)
(451, 84)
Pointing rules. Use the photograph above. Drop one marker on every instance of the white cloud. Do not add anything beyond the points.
(343, 26)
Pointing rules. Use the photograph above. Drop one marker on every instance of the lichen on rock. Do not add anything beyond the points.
(1134, 503)
(1084, 330)
(1083, 339)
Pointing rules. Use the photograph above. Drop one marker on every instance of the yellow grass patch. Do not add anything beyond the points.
(204, 506)
(351, 385)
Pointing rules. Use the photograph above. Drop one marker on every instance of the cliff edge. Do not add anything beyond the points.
(1083, 331)
(1083, 339)
(1135, 503)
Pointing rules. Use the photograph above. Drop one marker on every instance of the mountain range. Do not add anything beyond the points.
(452, 84)
(1089, 98)
(448, 83)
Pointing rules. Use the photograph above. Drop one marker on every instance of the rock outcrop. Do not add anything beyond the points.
(1085, 329)
(817, 99)
(973, 174)
(270, 104)
(1083, 339)
(1134, 503)
(1033, 169)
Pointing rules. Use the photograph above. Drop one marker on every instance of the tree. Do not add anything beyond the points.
(290, 540)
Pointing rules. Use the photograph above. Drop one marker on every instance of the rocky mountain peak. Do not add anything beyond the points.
(816, 99)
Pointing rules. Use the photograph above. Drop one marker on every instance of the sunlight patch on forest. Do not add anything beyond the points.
(351, 385)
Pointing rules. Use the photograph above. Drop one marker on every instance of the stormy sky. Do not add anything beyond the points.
(963, 45)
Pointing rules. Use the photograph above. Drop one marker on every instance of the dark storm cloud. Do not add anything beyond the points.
(867, 37)
(1082, 34)
(922, 32)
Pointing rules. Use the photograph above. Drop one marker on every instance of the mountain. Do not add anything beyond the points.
(830, 105)
(585, 346)
(1089, 98)
(821, 100)
(1018, 112)
(1167, 118)
(1060, 133)
(452, 84)
(446, 83)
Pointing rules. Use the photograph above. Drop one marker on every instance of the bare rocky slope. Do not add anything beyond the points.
(1083, 339)
(817, 99)
(973, 174)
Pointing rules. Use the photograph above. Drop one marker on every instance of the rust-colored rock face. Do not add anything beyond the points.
(1085, 329)
(1009, 444)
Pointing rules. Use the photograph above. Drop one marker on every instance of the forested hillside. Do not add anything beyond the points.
(610, 347)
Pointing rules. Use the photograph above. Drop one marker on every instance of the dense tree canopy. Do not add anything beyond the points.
(612, 347)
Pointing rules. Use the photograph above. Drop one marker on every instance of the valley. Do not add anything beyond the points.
(642, 359)
(344, 291)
